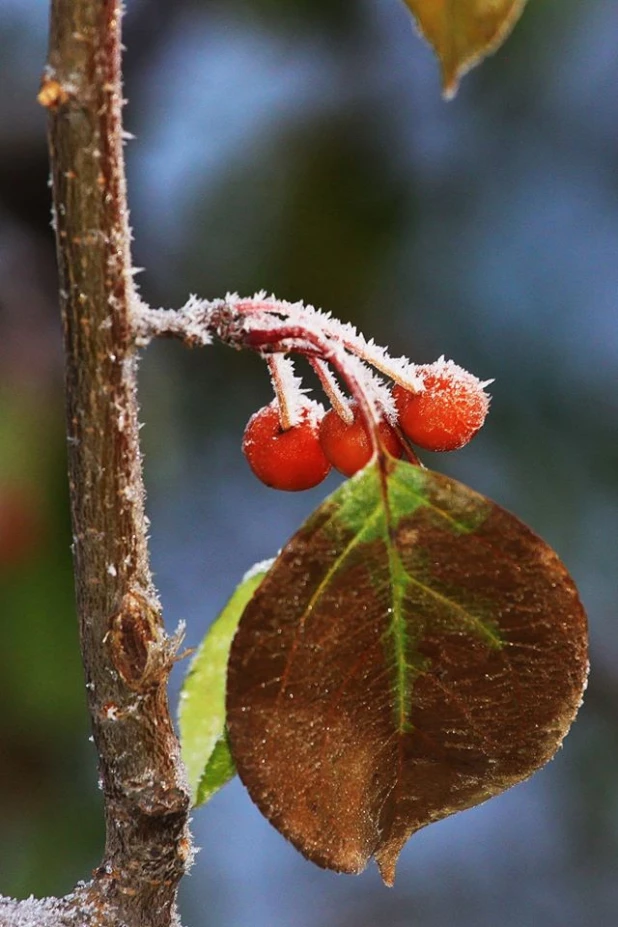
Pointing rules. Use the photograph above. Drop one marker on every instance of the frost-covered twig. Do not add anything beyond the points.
(275, 327)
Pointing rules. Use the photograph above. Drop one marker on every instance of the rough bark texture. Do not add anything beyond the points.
(127, 656)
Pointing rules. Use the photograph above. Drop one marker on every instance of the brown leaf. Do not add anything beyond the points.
(462, 32)
(413, 651)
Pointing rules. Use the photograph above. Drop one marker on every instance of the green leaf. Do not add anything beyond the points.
(219, 769)
(463, 32)
(201, 715)
(414, 650)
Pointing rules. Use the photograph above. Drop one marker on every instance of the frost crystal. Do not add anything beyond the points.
(262, 567)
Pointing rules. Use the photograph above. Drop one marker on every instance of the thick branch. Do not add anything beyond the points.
(126, 654)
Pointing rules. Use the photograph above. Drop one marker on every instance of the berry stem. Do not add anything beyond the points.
(407, 449)
(332, 389)
(286, 339)
(287, 389)
(398, 369)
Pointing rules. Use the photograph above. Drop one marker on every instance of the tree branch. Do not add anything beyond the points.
(127, 656)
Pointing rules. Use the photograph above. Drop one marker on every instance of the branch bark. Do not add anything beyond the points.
(126, 654)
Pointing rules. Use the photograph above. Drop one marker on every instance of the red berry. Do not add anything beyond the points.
(291, 459)
(348, 447)
(447, 413)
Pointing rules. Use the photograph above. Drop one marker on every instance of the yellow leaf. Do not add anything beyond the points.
(462, 32)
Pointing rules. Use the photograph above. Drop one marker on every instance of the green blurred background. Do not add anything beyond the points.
(301, 146)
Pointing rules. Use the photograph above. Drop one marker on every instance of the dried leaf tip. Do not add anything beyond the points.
(462, 34)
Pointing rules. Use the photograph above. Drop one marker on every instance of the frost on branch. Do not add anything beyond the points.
(340, 356)
(290, 395)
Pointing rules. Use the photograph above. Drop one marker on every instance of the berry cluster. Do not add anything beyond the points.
(387, 403)
(442, 415)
